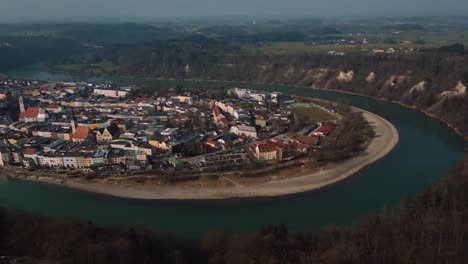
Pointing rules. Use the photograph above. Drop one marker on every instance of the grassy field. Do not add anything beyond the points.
(313, 113)
(432, 39)
(300, 47)
(103, 67)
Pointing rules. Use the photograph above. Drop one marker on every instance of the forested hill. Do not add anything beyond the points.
(433, 80)
(23, 44)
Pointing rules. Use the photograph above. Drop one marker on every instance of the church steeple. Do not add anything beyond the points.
(73, 121)
(21, 104)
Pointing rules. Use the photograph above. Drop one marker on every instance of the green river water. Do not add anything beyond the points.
(427, 150)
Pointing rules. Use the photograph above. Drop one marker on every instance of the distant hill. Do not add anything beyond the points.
(403, 27)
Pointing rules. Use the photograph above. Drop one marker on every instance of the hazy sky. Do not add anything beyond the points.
(204, 8)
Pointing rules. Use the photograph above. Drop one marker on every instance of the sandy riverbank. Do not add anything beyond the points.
(386, 139)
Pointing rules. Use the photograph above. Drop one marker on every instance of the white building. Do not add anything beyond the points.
(241, 93)
(259, 97)
(110, 93)
(248, 131)
(5, 156)
(100, 158)
(70, 161)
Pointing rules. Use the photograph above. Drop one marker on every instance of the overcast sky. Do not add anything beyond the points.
(209, 8)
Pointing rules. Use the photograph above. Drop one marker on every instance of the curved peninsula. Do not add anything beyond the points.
(386, 138)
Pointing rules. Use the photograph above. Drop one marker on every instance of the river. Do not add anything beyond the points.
(427, 150)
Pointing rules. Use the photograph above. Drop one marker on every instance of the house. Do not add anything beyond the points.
(99, 158)
(122, 144)
(160, 116)
(54, 108)
(160, 144)
(49, 159)
(17, 155)
(266, 151)
(81, 160)
(81, 133)
(5, 156)
(248, 131)
(117, 157)
(89, 159)
(28, 153)
(107, 134)
(110, 93)
(240, 93)
(259, 97)
(123, 124)
(70, 160)
(33, 114)
(145, 148)
(219, 118)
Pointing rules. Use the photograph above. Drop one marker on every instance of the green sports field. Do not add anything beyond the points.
(313, 113)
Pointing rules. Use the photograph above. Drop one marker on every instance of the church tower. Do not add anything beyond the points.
(73, 121)
(21, 104)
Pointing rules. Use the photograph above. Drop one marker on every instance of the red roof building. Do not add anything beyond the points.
(324, 130)
(81, 134)
(53, 108)
(267, 147)
(267, 151)
(32, 114)
(28, 152)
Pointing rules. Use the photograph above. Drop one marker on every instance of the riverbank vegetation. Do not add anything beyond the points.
(99, 68)
(349, 139)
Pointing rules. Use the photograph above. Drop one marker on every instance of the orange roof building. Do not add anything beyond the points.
(28, 152)
(32, 114)
(81, 134)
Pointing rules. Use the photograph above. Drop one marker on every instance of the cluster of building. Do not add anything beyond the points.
(89, 127)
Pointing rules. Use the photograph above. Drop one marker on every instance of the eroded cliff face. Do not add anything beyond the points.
(432, 82)
(445, 98)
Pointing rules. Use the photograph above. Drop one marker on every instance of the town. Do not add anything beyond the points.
(109, 129)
